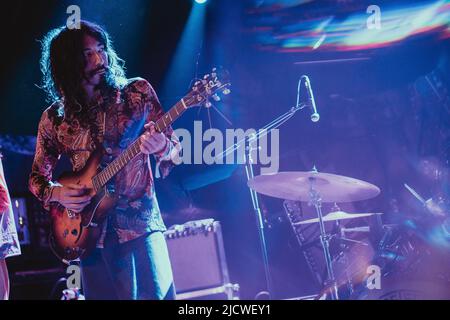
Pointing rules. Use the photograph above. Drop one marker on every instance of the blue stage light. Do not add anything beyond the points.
(201, 1)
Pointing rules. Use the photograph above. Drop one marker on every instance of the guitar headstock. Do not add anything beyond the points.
(214, 83)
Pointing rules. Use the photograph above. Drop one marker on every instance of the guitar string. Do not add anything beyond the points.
(108, 170)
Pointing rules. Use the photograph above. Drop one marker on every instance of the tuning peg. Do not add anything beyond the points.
(208, 104)
(226, 91)
(216, 97)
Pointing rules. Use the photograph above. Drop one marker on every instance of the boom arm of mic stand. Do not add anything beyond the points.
(274, 124)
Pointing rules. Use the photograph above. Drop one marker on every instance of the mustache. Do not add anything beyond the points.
(98, 69)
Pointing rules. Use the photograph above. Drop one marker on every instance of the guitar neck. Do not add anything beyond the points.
(104, 176)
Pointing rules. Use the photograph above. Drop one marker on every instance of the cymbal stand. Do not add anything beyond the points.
(316, 201)
(248, 143)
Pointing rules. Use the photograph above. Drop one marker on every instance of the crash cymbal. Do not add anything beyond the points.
(296, 186)
(338, 215)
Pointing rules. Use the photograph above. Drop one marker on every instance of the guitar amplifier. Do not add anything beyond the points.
(198, 261)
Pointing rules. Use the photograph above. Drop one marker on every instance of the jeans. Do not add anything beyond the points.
(137, 269)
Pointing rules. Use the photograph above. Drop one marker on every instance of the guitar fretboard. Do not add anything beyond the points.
(103, 177)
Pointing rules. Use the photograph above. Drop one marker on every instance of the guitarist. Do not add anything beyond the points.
(95, 106)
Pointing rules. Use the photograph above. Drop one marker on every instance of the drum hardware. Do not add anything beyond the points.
(316, 201)
(353, 241)
(435, 207)
(294, 185)
(317, 188)
(306, 238)
(355, 229)
(343, 231)
(247, 142)
(432, 226)
(339, 215)
(410, 267)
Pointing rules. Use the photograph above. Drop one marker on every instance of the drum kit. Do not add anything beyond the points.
(318, 188)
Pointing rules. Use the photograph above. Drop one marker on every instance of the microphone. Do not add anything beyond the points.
(315, 116)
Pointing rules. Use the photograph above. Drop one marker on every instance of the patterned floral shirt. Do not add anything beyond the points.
(115, 121)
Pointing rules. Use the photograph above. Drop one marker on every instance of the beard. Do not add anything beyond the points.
(96, 77)
(101, 83)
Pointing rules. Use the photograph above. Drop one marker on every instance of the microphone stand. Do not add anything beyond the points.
(276, 123)
(259, 219)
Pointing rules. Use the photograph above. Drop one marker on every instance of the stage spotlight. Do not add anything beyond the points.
(201, 1)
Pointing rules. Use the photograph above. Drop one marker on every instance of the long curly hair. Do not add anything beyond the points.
(62, 64)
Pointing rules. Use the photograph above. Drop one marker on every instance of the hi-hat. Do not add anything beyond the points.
(337, 215)
(296, 186)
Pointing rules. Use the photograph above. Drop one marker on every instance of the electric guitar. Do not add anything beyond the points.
(74, 235)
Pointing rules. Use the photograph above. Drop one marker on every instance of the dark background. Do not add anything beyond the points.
(384, 119)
